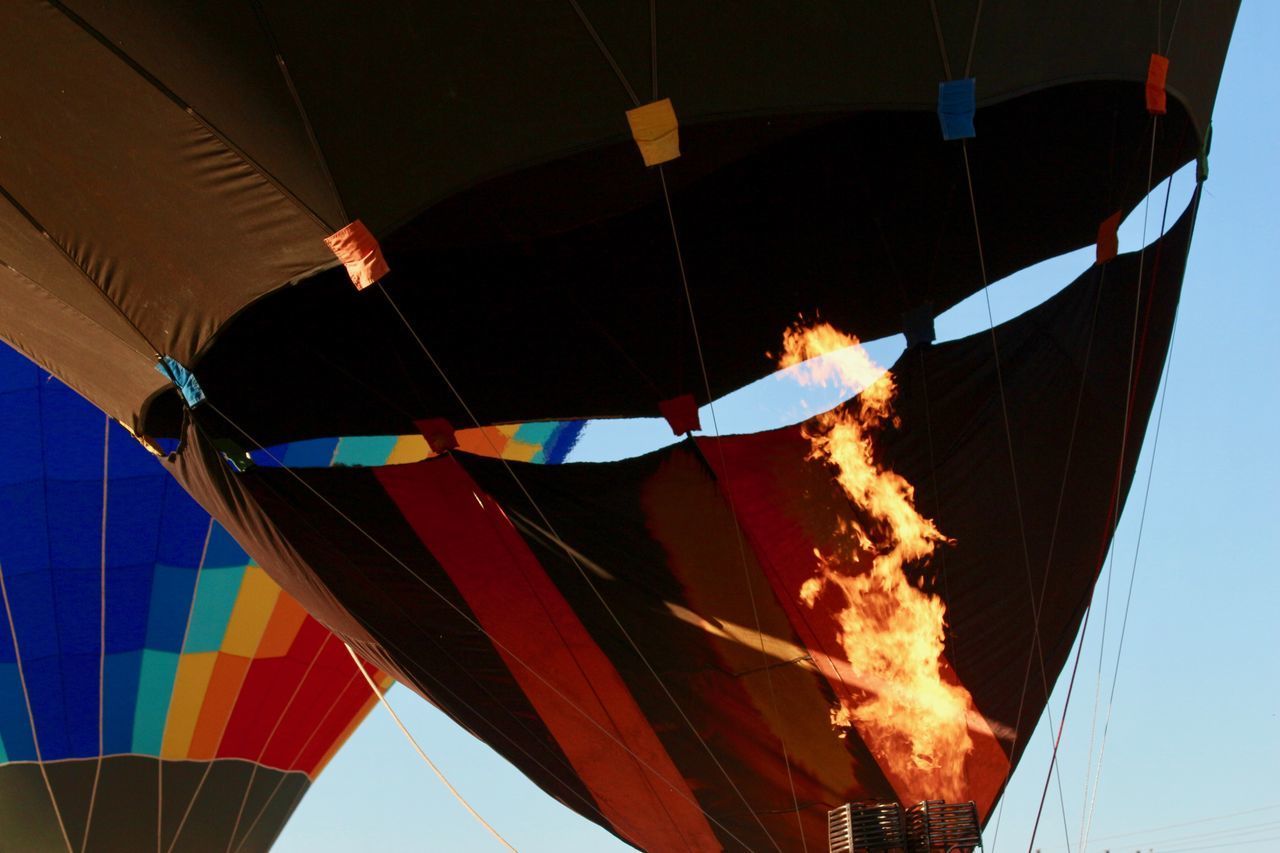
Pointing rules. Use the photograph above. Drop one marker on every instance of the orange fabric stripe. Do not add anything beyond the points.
(282, 629)
(520, 607)
(224, 687)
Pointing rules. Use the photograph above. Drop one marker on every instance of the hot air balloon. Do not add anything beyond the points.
(157, 689)
(241, 228)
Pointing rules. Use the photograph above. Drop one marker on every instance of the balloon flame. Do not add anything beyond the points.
(912, 716)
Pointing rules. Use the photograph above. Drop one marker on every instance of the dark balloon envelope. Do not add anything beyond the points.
(170, 172)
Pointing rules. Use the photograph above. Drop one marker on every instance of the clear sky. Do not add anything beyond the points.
(1192, 751)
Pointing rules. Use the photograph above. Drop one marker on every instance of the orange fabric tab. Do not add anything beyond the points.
(1157, 73)
(681, 414)
(1108, 238)
(655, 130)
(360, 254)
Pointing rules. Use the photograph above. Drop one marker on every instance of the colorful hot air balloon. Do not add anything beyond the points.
(577, 210)
(215, 701)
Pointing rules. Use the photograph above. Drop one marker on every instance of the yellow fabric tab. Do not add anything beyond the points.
(194, 671)
(257, 598)
(655, 130)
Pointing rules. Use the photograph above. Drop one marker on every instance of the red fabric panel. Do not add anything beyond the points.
(334, 719)
(268, 686)
(522, 611)
(1157, 73)
(786, 513)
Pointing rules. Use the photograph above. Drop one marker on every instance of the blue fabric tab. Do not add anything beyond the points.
(184, 379)
(957, 102)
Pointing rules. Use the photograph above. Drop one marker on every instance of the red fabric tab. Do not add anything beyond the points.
(439, 434)
(681, 414)
(1157, 73)
(360, 254)
(1108, 238)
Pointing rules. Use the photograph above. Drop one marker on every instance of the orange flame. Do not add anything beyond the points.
(911, 715)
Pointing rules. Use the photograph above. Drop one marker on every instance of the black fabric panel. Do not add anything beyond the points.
(555, 293)
(1044, 354)
(128, 802)
(370, 599)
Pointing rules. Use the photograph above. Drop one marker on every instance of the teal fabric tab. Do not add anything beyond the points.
(155, 690)
(184, 379)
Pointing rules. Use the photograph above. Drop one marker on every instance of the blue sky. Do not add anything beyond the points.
(1193, 742)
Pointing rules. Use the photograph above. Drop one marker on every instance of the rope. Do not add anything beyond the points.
(102, 631)
(942, 45)
(604, 51)
(261, 15)
(421, 754)
(26, 698)
(973, 40)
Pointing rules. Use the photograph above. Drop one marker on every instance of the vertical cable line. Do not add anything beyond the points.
(1086, 821)
(382, 698)
(333, 706)
(168, 709)
(266, 744)
(102, 629)
(1037, 648)
(26, 697)
(684, 279)
(1138, 545)
(260, 15)
(533, 592)
(1114, 509)
(728, 494)
(470, 620)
